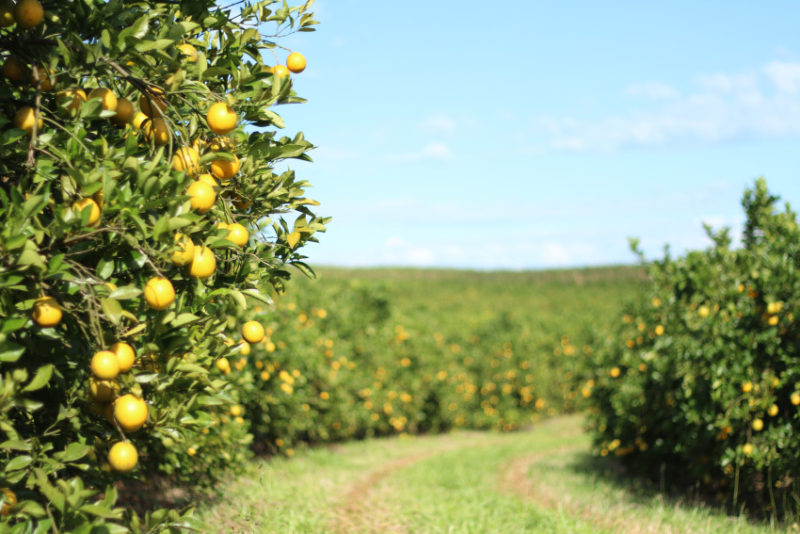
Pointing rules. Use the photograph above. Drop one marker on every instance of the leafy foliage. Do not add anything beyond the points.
(700, 381)
(91, 200)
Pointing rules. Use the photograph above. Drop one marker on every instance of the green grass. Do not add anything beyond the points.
(541, 480)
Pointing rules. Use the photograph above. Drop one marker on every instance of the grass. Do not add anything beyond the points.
(540, 480)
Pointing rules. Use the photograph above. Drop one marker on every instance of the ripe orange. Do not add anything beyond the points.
(221, 118)
(296, 62)
(156, 130)
(159, 293)
(25, 118)
(94, 210)
(186, 159)
(747, 449)
(224, 365)
(6, 13)
(28, 13)
(107, 97)
(758, 425)
(703, 311)
(773, 410)
(123, 456)
(244, 348)
(795, 398)
(41, 78)
(224, 169)
(76, 98)
(207, 178)
(279, 71)
(202, 196)
(188, 51)
(130, 412)
(151, 103)
(46, 312)
(747, 387)
(204, 263)
(102, 390)
(125, 355)
(10, 501)
(14, 69)
(184, 250)
(138, 120)
(125, 112)
(104, 365)
(252, 331)
(238, 234)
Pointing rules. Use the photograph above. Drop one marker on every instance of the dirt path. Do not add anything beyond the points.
(619, 517)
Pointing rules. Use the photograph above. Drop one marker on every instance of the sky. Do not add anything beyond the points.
(534, 135)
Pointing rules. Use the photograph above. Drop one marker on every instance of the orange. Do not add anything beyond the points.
(279, 71)
(150, 103)
(202, 196)
(773, 410)
(296, 62)
(156, 130)
(138, 119)
(123, 456)
(125, 355)
(9, 501)
(188, 51)
(102, 390)
(252, 331)
(204, 263)
(207, 178)
(107, 97)
(221, 118)
(41, 78)
(46, 312)
(14, 69)
(186, 159)
(224, 365)
(703, 311)
(130, 412)
(159, 293)
(221, 143)
(104, 365)
(238, 234)
(225, 169)
(747, 449)
(94, 213)
(758, 425)
(795, 398)
(28, 13)
(25, 118)
(184, 250)
(125, 112)
(6, 13)
(76, 99)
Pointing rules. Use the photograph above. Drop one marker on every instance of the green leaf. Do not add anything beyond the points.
(74, 451)
(41, 378)
(183, 319)
(15, 445)
(18, 462)
(125, 293)
(112, 309)
(10, 352)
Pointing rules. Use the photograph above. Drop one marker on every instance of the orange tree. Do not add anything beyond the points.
(700, 383)
(139, 203)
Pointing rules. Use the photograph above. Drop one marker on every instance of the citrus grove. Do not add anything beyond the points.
(142, 206)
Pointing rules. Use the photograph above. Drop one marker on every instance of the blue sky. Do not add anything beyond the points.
(535, 135)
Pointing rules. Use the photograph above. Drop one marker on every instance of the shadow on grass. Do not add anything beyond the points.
(668, 490)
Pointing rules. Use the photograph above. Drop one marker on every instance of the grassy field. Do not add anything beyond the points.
(537, 480)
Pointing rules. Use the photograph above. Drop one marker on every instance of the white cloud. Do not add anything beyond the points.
(439, 124)
(785, 75)
(431, 151)
(652, 91)
(721, 107)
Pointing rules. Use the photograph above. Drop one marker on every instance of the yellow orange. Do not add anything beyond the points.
(42, 78)
(156, 131)
(225, 169)
(94, 213)
(188, 51)
(104, 365)
(221, 118)
(107, 97)
(186, 159)
(28, 13)
(123, 456)
(296, 62)
(125, 355)
(238, 234)
(125, 112)
(159, 293)
(184, 250)
(6, 13)
(154, 103)
(76, 98)
(25, 119)
(14, 69)
(130, 412)
(46, 312)
(204, 262)
(252, 331)
(202, 196)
